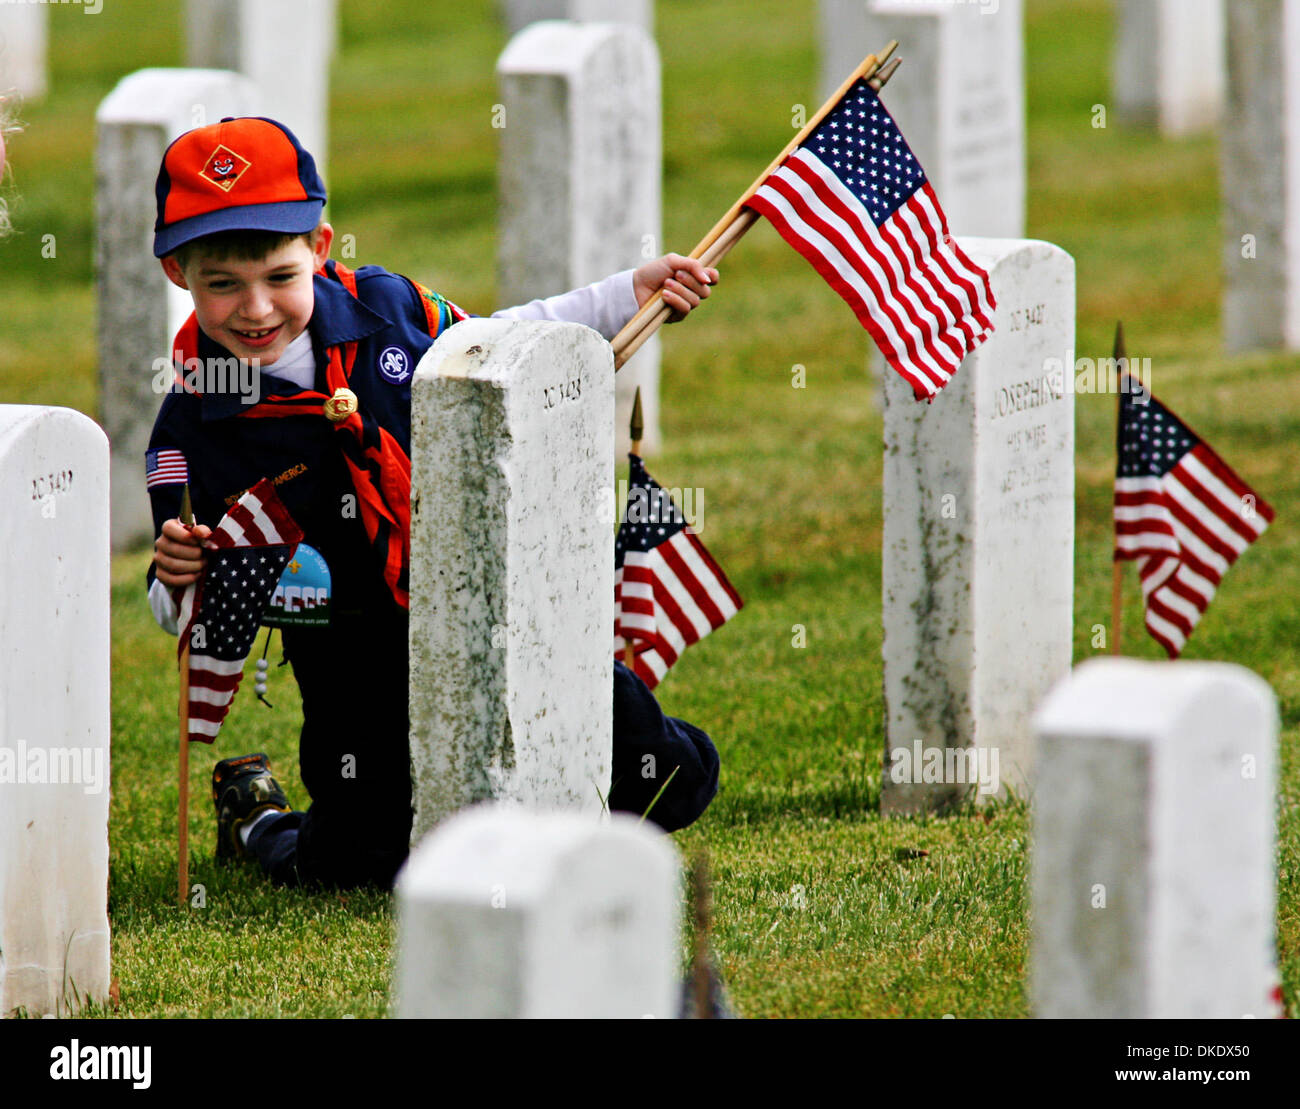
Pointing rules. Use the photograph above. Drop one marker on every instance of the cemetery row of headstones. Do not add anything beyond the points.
(1153, 782)
(580, 154)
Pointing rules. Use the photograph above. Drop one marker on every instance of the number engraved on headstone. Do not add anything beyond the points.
(46, 485)
(1024, 318)
(553, 395)
(1020, 477)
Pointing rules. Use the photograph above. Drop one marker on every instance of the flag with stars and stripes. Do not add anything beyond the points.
(164, 466)
(668, 591)
(854, 201)
(1181, 513)
(220, 613)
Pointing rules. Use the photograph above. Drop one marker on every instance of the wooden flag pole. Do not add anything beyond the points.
(700, 910)
(1117, 572)
(635, 430)
(183, 804)
(728, 230)
(1116, 606)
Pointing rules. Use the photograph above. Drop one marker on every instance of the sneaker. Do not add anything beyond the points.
(241, 789)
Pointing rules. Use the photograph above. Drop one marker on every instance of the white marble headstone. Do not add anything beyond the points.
(1168, 63)
(978, 552)
(54, 711)
(284, 47)
(1260, 173)
(139, 310)
(512, 569)
(581, 166)
(1152, 876)
(505, 913)
(958, 97)
(24, 36)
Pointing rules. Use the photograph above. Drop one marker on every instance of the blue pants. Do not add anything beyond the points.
(354, 756)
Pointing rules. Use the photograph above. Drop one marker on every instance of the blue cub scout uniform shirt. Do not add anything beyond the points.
(227, 451)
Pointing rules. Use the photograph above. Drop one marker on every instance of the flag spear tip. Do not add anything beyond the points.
(883, 74)
(187, 509)
(636, 425)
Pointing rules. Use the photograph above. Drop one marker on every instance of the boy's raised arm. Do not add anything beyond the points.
(605, 306)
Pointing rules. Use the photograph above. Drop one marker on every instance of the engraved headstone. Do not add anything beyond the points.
(978, 551)
(1260, 174)
(580, 175)
(520, 13)
(505, 913)
(284, 47)
(54, 711)
(512, 569)
(959, 97)
(1168, 63)
(1152, 877)
(139, 310)
(24, 38)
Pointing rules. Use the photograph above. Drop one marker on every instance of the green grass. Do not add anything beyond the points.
(822, 908)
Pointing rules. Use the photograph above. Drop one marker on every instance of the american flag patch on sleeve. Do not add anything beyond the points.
(164, 466)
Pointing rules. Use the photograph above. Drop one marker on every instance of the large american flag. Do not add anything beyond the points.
(668, 591)
(854, 201)
(220, 613)
(1181, 513)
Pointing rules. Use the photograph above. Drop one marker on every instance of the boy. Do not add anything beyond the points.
(238, 227)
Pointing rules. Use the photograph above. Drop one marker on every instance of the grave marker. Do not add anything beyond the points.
(512, 569)
(54, 711)
(1168, 63)
(580, 175)
(959, 98)
(284, 47)
(1260, 175)
(1152, 876)
(24, 38)
(139, 310)
(978, 549)
(505, 913)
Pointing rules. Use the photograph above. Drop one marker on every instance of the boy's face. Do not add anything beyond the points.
(254, 309)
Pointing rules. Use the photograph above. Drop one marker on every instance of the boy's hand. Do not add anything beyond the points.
(178, 554)
(683, 281)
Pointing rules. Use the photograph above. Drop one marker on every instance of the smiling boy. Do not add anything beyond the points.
(239, 206)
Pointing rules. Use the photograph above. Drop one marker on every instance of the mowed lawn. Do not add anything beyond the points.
(822, 908)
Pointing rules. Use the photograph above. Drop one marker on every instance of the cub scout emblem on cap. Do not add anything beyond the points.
(223, 168)
(394, 365)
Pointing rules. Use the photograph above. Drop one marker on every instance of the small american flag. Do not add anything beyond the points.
(668, 591)
(164, 466)
(220, 613)
(854, 201)
(1181, 512)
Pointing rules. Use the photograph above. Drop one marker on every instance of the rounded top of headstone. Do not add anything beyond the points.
(488, 845)
(1128, 698)
(67, 425)
(563, 46)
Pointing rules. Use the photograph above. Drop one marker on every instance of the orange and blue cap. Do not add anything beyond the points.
(247, 174)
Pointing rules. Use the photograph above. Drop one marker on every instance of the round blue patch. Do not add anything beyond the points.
(394, 365)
